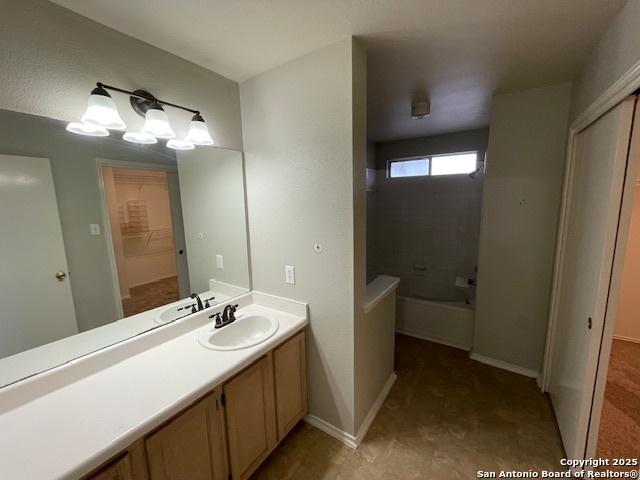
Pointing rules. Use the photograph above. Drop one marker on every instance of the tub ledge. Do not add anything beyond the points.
(378, 289)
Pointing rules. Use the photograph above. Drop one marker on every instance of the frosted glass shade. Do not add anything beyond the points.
(139, 137)
(102, 111)
(180, 145)
(156, 123)
(198, 132)
(86, 129)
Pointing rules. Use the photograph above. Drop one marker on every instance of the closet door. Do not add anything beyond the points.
(589, 236)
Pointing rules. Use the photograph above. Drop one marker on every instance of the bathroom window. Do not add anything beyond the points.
(450, 164)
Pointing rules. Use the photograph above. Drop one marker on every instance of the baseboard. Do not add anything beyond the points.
(626, 339)
(504, 365)
(375, 408)
(340, 435)
(344, 437)
(153, 280)
(448, 343)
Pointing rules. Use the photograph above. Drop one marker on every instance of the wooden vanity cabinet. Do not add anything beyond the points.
(228, 433)
(191, 446)
(290, 371)
(118, 470)
(130, 465)
(249, 404)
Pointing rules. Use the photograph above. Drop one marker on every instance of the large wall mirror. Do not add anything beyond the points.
(102, 239)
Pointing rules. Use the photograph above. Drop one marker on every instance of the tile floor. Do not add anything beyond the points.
(445, 418)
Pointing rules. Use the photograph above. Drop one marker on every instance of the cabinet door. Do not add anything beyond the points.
(290, 367)
(250, 414)
(118, 470)
(191, 446)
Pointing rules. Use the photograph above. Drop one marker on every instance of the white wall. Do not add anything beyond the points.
(51, 59)
(213, 204)
(616, 52)
(627, 325)
(520, 206)
(374, 347)
(297, 126)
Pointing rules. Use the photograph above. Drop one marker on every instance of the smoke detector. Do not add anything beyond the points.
(420, 109)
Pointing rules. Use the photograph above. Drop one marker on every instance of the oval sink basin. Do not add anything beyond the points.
(245, 332)
(174, 312)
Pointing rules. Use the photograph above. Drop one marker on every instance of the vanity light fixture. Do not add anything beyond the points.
(198, 131)
(102, 115)
(102, 111)
(87, 129)
(180, 144)
(140, 138)
(156, 122)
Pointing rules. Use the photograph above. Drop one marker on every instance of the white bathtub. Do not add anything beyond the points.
(449, 323)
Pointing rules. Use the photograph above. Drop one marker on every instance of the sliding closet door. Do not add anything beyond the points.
(600, 157)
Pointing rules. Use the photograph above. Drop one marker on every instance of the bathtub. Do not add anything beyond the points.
(446, 322)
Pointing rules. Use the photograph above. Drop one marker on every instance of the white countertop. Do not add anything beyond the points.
(35, 360)
(72, 426)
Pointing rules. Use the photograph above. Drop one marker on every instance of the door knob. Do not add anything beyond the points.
(61, 276)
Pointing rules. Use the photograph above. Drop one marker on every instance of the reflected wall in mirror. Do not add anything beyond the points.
(97, 235)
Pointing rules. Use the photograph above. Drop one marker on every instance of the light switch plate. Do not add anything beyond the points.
(219, 261)
(290, 274)
(94, 229)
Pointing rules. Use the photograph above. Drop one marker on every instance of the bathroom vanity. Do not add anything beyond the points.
(161, 405)
(229, 431)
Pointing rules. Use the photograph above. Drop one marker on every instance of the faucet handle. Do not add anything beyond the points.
(217, 322)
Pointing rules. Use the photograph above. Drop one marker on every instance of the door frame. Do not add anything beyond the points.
(104, 208)
(625, 86)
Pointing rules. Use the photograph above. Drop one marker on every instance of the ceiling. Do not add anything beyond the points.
(458, 52)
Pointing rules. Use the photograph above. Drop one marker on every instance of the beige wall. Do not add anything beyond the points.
(111, 197)
(147, 258)
(520, 206)
(627, 324)
(51, 58)
(616, 52)
(298, 141)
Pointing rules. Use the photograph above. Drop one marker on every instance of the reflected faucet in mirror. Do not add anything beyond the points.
(198, 303)
(143, 243)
